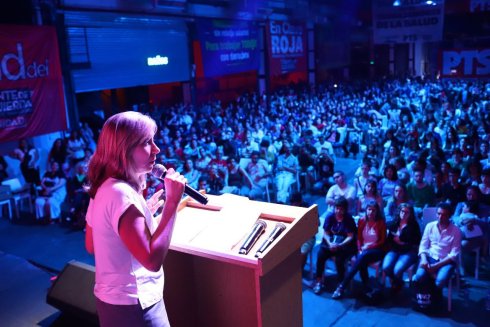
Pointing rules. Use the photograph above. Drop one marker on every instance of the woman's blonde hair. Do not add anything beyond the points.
(120, 134)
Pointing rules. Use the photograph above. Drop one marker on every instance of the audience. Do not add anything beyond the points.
(429, 141)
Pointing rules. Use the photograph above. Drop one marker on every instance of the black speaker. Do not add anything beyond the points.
(73, 291)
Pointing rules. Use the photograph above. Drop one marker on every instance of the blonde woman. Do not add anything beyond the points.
(129, 243)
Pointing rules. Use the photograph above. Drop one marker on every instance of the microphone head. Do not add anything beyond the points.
(280, 226)
(262, 223)
(158, 171)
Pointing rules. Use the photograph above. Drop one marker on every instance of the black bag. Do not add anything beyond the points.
(427, 297)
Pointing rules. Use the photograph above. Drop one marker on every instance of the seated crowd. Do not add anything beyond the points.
(423, 142)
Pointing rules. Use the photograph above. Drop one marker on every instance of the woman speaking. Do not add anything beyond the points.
(129, 243)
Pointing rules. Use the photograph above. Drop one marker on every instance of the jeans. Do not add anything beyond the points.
(132, 315)
(442, 276)
(396, 263)
(363, 260)
(341, 256)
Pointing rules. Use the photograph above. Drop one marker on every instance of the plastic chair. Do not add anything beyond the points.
(19, 193)
(7, 202)
(477, 262)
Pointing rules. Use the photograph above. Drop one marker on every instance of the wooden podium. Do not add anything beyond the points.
(207, 281)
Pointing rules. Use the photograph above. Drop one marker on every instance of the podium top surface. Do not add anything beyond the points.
(218, 229)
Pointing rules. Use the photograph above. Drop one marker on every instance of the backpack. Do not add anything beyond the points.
(427, 297)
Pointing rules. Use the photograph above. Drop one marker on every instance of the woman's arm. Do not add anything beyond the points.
(151, 250)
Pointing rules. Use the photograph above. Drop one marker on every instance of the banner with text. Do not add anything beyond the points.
(465, 63)
(228, 47)
(479, 5)
(287, 47)
(31, 89)
(410, 21)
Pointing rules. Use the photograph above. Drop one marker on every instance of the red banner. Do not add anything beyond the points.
(31, 87)
(287, 47)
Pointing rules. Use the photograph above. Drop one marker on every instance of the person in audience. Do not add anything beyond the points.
(88, 136)
(439, 249)
(371, 236)
(338, 241)
(401, 169)
(457, 160)
(236, 178)
(78, 198)
(29, 162)
(472, 228)
(341, 189)
(324, 168)
(203, 160)
(51, 195)
(485, 186)
(453, 192)
(216, 178)
(404, 239)
(75, 147)
(388, 182)
(370, 194)
(399, 196)
(256, 173)
(3, 169)
(421, 193)
(307, 247)
(192, 175)
(58, 153)
(362, 178)
(472, 174)
(287, 168)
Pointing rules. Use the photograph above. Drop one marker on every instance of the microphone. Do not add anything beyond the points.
(257, 230)
(272, 237)
(159, 171)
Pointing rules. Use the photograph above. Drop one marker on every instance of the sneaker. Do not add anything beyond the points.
(317, 289)
(339, 292)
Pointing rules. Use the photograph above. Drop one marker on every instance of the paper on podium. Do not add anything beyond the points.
(216, 230)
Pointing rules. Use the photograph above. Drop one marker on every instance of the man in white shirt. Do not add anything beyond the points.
(439, 249)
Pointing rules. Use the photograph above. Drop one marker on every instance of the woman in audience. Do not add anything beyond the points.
(371, 235)
(75, 147)
(362, 176)
(203, 159)
(338, 241)
(58, 153)
(78, 198)
(192, 175)
(388, 182)
(399, 196)
(472, 227)
(29, 161)
(369, 194)
(51, 195)
(485, 186)
(236, 178)
(404, 236)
